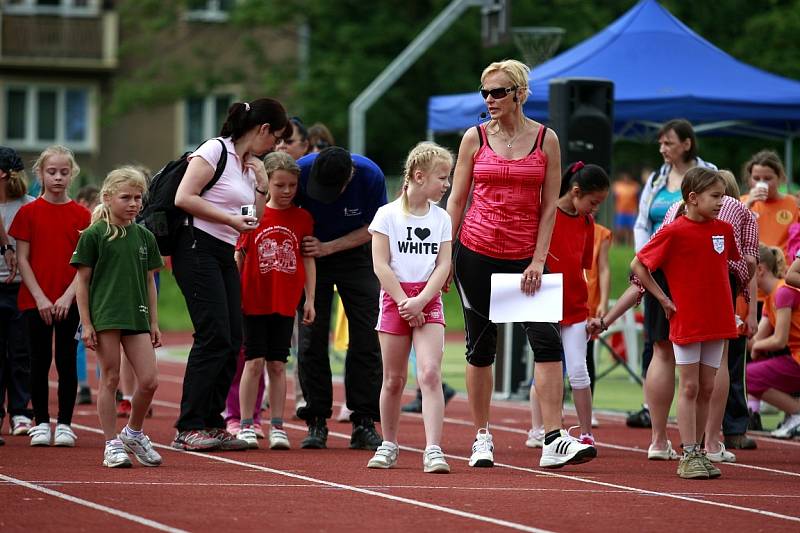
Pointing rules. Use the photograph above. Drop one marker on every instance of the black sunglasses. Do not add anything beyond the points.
(497, 94)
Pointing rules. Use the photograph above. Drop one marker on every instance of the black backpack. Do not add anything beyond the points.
(159, 213)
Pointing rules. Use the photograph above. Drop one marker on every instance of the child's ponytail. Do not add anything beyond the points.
(588, 178)
(422, 157)
(772, 257)
(126, 175)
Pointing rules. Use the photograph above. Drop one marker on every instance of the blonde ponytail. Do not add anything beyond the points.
(116, 179)
(424, 156)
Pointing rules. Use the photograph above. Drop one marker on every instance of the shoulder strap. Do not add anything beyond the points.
(540, 138)
(223, 161)
(481, 135)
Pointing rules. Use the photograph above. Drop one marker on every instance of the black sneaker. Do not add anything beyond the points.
(317, 438)
(639, 419)
(415, 405)
(740, 442)
(364, 436)
(84, 396)
(755, 422)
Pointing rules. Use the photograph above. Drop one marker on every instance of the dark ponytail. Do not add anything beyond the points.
(243, 116)
(588, 178)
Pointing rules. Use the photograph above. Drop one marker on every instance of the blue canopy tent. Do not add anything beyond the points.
(713, 90)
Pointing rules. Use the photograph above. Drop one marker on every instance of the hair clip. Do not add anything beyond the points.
(246, 107)
(576, 166)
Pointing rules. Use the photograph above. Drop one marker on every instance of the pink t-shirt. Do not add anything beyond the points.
(503, 219)
(235, 188)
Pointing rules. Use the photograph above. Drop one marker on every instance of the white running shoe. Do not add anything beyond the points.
(433, 461)
(64, 436)
(141, 448)
(385, 456)
(722, 456)
(248, 434)
(789, 428)
(566, 450)
(535, 438)
(40, 435)
(115, 456)
(278, 439)
(667, 454)
(595, 422)
(20, 424)
(482, 450)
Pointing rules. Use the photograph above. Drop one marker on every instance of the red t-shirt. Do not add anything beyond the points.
(570, 253)
(693, 257)
(273, 275)
(52, 232)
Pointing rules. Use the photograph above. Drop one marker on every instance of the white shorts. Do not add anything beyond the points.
(708, 353)
(574, 338)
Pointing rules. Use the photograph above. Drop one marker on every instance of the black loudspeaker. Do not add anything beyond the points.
(582, 114)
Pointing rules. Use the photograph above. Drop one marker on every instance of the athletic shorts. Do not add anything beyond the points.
(780, 373)
(473, 276)
(389, 319)
(656, 325)
(268, 336)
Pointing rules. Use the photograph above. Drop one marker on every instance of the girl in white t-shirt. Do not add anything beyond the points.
(411, 245)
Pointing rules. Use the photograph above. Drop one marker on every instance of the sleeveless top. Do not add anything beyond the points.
(503, 218)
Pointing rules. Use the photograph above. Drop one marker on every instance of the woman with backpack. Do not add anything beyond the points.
(204, 267)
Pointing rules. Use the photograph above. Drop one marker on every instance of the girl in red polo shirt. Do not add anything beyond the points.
(693, 252)
(583, 188)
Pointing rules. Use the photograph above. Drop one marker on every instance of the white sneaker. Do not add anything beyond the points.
(789, 427)
(385, 456)
(667, 454)
(278, 439)
(595, 422)
(433, 461)
(40, 435)
(141, 448)
(64, 436)
(535, 438)
(115, 456)
(722, 456)
(20, 424)
(482, 450)
(566, 450)
(248, 434)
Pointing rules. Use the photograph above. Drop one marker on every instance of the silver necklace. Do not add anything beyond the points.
(515, 137)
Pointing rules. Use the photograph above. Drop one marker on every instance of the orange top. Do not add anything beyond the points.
(626, 196)
(794, 325)
(774, 218)
(601, 233)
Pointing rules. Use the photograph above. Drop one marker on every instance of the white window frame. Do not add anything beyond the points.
(67, 8)
(31, 142)
(210, 127)
(213, 12)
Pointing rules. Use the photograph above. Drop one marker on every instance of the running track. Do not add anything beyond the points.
(47, 489)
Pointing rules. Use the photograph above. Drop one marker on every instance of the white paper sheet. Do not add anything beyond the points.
(509, 304)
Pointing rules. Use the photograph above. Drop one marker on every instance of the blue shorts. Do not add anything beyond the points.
(624, 220)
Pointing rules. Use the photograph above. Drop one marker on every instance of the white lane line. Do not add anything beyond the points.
(92, 505)
(351, 488)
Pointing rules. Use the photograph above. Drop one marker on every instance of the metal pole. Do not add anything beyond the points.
(423, 41)
(788, 159)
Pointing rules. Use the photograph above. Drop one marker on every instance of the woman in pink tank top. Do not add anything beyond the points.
(512, 165)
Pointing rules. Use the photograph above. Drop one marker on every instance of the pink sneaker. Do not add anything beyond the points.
(258, 430)
(233, 427)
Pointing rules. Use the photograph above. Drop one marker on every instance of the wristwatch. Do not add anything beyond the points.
(6, 247)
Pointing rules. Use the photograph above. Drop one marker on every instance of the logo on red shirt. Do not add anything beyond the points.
(719, 243)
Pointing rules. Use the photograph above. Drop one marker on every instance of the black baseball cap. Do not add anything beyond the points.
(10, 160)
(330, 171)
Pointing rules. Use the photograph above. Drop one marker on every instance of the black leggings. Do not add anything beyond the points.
(40, 346)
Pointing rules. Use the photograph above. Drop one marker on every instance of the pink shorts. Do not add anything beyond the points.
(389, 319)
(781, 373)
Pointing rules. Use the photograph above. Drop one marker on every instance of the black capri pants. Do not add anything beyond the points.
(473, 280)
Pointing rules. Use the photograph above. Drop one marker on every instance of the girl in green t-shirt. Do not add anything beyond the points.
(116, 261)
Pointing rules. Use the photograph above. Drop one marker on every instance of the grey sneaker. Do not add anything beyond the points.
(115, 456)
(40, 435)
(141, 448)
(64, 436)
(433, 461)
(248, 434)
(385, 456)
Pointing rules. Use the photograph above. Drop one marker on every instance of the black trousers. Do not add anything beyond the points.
(15, 361)
(736, 414)
(351, 271)
(40, 346)
(206, 273)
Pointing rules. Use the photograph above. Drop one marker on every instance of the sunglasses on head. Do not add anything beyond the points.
(498, 93)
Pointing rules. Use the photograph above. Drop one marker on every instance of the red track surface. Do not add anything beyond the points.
(332, 490)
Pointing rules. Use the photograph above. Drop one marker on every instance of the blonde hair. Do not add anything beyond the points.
(116, 179)
(731, 186)
(772, 257)
(280, 161)
(516, 71)
(423, 157)
(16, 186)
(55, 149)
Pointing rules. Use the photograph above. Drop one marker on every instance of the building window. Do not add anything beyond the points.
(204, 117)
(66, 8)
(40, 115)
(209, 10)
